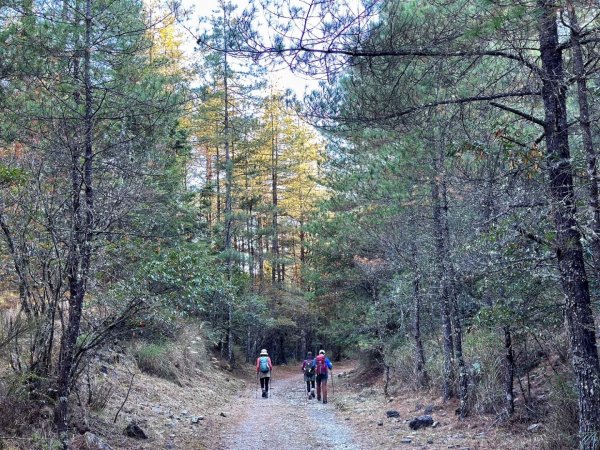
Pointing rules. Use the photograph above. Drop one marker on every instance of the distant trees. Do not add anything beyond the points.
(266, 164)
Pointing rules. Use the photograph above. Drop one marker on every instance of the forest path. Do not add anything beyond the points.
(287, 419)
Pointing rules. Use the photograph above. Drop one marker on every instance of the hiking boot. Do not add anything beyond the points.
(264, 393)
(324, 401)
(318, 399)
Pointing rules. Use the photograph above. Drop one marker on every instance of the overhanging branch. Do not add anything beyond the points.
(525, 116)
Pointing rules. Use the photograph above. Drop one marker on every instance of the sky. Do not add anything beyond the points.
(282, 76)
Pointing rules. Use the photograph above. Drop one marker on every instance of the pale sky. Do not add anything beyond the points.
(281, 76)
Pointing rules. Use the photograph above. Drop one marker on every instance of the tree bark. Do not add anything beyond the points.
(80, 250)
(509, 359)
(586, 134)
(569, 251)
(228, 184)
(445, 302)
(275, 269)
(420, 369)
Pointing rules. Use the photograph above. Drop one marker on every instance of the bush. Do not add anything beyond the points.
(563, 417)
(172, 359)
(402, 364)
(485, 361)
(24, 405)
(153, 359)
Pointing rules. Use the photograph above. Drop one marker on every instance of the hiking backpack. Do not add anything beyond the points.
(321, 365)
(264, 364)
(309, 369)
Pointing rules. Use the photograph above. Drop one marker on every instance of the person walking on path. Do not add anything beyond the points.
(263, 371)
(322, 367)
(308, 368)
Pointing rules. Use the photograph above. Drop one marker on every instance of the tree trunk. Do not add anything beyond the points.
(586, 134)
(569, 251)
(81, 237)
(275, 272)
(228, 184)
(218, 183)
(420, 369)
(445, 302)
(510, 371)
(261, 259)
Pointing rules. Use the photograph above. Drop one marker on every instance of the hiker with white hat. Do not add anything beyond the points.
(263, 371)
(322, 367)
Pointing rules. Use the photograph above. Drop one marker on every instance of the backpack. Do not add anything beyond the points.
(321, 365)
(264, 364)
(309, 369)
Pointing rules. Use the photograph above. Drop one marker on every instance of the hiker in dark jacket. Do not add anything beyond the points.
(263, 371)
(308, 369)
(322, 367)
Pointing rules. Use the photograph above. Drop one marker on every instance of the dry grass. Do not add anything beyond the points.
(365, 407)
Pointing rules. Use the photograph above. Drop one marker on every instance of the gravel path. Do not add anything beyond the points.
(286, 420)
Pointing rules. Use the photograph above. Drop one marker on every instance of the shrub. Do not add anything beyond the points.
(23, 405)
(153, 359)
(172, 359)
(485, 361)
(563, 417)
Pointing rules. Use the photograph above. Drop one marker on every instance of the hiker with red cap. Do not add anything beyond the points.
(322, 367)
(263, 371)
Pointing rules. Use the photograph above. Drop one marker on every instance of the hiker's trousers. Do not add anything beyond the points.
(264, 384)
(322, 387)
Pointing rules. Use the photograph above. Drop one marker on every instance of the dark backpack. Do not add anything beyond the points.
(321, 365)
(309, 369)
(264, 364)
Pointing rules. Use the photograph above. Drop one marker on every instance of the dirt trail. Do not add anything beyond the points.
(285, 420)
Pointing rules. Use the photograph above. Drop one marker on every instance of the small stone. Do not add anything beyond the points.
(392, 413)
(93, 442)
(430, 441)
(435, 424)
(223, 414)
(134, 431)
(196, 419)
(534, 427)
(380, 424)
(421, 422)
(184, 412)
(406, 440)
